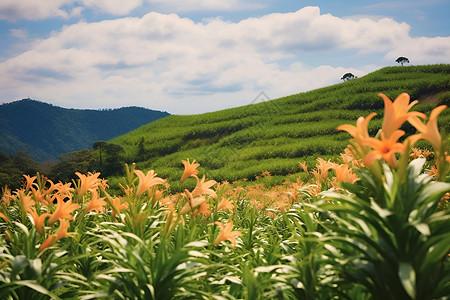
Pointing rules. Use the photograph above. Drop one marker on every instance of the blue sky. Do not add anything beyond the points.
(195, 56)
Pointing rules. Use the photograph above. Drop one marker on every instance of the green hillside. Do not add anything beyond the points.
(46, 131)
(274, 135)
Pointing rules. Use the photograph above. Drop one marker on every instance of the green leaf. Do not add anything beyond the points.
(196, 244)
(416, 166)
(380, 211)
(266, 269)
(423, 228)
(433, 192)
(19, 263)
(407, 277)
(37, 287)
(36, 266)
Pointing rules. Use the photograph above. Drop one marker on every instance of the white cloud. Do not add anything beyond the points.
(114, 7)
(12, 10)
(19, 33)
(423, 50)
(170, 63)
(203, 5)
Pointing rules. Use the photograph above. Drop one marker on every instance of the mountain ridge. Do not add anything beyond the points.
(46, 131)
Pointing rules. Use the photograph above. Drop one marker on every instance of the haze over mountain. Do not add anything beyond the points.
(46, 131)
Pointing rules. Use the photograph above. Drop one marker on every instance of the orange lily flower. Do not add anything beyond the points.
(226, 233)
(322, 168)
(63, 189)
(202, 209)
(359, 131)
(119, 206)
(4, 217)
(62, 230)
(189, 169)
(396, 113)
(203, 187)
(29, 182)
(430, 131)
(59, 234)
(345, 173)
(191, 202)
(433, 171)
(6, 196)
(168, 202)
(384, 148)
(293, 194)
(63, 210)
(51, 188)
(96, 204)
(147, 181)
(127, 189)
(225, 204)
(25, 199)
(304, 166)
(48, 242)
(39, 220)
(87, 182)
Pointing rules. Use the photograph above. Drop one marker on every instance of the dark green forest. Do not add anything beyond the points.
(46, 131)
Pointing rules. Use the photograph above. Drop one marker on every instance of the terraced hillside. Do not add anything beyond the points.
(275, 135)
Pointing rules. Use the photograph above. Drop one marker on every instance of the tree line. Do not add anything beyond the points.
(105, 157)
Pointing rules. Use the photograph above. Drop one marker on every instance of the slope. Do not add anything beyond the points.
(242, 142)
(46, 131)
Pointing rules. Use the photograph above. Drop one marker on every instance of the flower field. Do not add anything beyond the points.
(374, 224)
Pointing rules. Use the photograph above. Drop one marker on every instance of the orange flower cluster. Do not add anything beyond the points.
(47, 203)
(195, 203)
(343, 173)
(387, 145)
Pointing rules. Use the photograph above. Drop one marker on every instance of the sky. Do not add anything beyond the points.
(196, 56)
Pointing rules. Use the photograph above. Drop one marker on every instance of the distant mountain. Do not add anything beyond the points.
(46, 131)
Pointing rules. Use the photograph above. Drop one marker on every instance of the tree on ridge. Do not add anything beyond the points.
(348, 76)
(401, 60)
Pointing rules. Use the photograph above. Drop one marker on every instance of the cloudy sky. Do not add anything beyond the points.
(195, 56)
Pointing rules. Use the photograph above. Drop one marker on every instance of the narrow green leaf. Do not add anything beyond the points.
(407, 277)
(197, 244)
(37, 287)
(423, 228)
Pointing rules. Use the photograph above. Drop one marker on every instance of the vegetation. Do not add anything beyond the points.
(401, 60)
(348, 76)
(372, 227)
(13, 167)
(46, 131)
(241, 143)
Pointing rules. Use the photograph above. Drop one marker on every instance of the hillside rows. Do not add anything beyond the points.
(275, 135)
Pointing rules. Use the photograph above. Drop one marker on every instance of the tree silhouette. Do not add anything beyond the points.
(99, 145)
(401, 60)
(348, 76)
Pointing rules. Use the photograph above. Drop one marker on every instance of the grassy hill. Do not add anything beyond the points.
(274, 135)
(46, 131)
